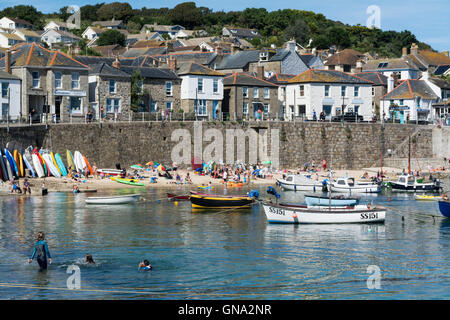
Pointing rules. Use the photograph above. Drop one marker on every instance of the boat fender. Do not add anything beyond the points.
(272, 191)
(295, 187)
(314, 188)
(294, 216)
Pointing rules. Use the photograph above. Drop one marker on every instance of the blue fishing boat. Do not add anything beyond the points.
(336, 200)
(444, 206)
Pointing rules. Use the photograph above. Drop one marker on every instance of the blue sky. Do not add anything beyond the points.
(428, 20)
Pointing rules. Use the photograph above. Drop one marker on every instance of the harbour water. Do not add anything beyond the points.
(219, 255)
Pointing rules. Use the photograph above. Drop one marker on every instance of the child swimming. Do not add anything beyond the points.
(144, 266)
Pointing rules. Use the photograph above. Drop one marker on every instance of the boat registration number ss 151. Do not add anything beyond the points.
(277, 211)
(369, 215)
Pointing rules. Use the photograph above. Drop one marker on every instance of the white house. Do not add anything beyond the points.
(27, 35)
(12, 23)
(52, 36)
(56, 25)
(333, 92)
(8, 40)
(411, 100)
(201, 90)
(162, 29)
(10, 84)
(183, 33)
(92, 32)
(403, 68)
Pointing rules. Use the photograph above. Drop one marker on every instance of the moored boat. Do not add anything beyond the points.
(348, 185)
(300, 183)
(322, 215)
(334, 200)
(219, 202)
(409, 183)
(426, 198)
(110, 172)
(130, 198)
(172, 196)
(444, 207)
(132, 182)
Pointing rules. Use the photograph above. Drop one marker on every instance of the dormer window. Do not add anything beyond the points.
(382, 65)
(263, 56)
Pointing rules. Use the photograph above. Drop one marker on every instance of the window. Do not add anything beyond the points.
(400, 102)
(4, 114)
(245, 92)
(215, 85)
(356, 91)
(255, 92)
(327, 91)
(169, 88)
(112, 105)
(153, 106)
(36, 79)
(200, 107)
(302, 91)
(245, 108)
(266, 93)
(75, 80)
(5, 86)
(169, 105)
(75, 104)
(343, 89)
(112, 86)
(58, 78)
(266, 109)
(373, 91)
(200, 84)
(301, 109)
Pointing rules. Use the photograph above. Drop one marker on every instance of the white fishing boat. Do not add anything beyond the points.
(276, 213)
(300, 182)
(348, 185)
(129, 198)
(110, 172)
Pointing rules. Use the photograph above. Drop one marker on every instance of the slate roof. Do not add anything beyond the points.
(21, 21)
(135, 52)
(112, 23)
(375, 77)
(104, 69)
(441, 69)
(6, 75)
(432, 58)
(141, 61)
(11, 36)
(280, 78)
(327, 76)
(204, 58)
(29, 55)
(243, 32)
(152, 73)
(388, 64)
(196, 69)
(64, 33)
(441, 83)
(244, 79)
(28, 32)
(238, 60)
(409, 89)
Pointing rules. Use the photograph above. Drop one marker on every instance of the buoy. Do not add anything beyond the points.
(294, 216)
(176, 203)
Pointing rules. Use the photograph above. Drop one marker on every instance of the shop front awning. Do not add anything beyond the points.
(70, 93)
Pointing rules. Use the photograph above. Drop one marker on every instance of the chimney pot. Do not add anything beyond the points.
(260, 72)
(116, 63)
(173, 64)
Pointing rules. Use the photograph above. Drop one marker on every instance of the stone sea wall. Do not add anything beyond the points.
(348, 146)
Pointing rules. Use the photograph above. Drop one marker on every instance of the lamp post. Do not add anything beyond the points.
(7, 110)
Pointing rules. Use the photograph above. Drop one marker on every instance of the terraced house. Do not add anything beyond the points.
(49, 78)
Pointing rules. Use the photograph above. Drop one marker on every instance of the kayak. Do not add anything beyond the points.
(205, 187)
(132, 182)
(427, 198)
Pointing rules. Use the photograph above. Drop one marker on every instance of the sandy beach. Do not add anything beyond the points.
(54, 184)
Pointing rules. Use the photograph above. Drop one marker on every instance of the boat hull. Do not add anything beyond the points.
(282, 214)
(113, 200)
(444, 207)
(300, 187)
(172, 196)
(218, 202)
(429, 187)
(324, 201)
(357, 189)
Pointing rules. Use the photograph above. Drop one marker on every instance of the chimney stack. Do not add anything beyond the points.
(260, 72)
(219, 50)
(116, 63)
(8, 62)
(173, 64)
(414, 49)
(404, 52)
(391, 83)
(359, 65)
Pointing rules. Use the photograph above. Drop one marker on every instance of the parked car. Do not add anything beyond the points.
(348, 116)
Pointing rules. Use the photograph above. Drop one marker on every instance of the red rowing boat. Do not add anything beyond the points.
(177, 197)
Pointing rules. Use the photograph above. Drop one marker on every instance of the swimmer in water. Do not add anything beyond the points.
(89, 259)
(145, 266)
(41, 252)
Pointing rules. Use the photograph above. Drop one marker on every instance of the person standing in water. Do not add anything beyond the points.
(41, 252)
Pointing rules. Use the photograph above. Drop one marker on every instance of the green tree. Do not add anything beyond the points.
(28, 13)
(186, 14)
(299, 31)
(111, 36)
(339, 37)
(116, 10)
(137, 94)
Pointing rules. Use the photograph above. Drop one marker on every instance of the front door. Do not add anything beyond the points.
(58, 101)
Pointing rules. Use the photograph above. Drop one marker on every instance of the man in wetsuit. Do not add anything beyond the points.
(41, 252)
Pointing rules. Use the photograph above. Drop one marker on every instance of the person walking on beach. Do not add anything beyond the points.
(40, 251)
(324, 165)
(95, 170)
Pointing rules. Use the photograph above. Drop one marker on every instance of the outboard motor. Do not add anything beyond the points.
(272, 191)
(253, 194)
(324, 185)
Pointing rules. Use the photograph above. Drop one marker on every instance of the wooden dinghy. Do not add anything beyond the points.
(130, 198)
